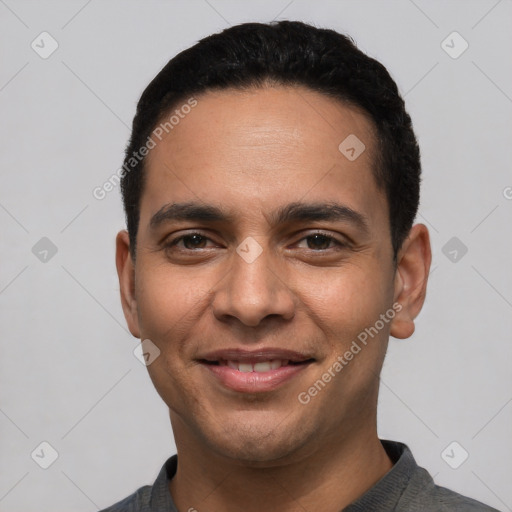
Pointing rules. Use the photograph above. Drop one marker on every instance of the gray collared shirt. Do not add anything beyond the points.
(407, 487)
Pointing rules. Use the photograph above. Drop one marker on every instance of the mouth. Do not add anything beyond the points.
(256, 366)
(254, 372)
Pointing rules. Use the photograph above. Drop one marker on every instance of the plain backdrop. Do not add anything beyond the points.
(69, 376)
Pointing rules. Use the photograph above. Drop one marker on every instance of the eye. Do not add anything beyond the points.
(321, 242)
(190, 241)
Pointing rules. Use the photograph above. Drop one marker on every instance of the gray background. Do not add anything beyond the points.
(68, 373)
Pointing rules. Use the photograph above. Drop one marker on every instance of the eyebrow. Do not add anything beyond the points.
(190, 212)
(292, 212)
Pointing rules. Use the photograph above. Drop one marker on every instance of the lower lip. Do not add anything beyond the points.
(254, 382)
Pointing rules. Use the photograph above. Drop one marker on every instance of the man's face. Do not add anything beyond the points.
(248, 290)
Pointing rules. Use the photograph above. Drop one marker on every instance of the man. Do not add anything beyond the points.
(270, 188)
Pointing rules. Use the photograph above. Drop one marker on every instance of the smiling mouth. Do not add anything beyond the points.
(245, 372)
(256, 366)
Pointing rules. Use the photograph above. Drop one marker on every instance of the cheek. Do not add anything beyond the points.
(168, 300)
(345, 300)
(346, 306)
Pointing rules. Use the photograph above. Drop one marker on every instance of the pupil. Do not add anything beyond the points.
(193, 240)
(321, 238)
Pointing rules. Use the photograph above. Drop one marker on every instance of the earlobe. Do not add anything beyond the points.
(411, 278)
(126, 274)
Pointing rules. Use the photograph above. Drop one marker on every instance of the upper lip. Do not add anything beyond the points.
(254, 356)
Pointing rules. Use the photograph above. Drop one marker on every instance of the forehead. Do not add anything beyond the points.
(260, 147)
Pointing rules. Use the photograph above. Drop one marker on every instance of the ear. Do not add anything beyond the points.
(413, 266)
(126, 273)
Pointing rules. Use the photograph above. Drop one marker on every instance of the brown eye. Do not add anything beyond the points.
(319, 242)
(193, 241)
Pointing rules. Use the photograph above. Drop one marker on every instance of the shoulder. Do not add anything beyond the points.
(423, 494)
(414, 490)
(136, 502)
(150, 497)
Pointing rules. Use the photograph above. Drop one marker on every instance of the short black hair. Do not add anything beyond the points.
(288, 53)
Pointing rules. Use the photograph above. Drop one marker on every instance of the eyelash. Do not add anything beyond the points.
(329, 238)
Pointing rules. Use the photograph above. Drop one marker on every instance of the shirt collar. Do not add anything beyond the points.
(383, 496)
(386, 493)
(161, 499)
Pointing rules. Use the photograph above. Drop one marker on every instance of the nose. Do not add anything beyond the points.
(253, 291)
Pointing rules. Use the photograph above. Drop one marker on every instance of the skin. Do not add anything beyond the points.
(251, 152)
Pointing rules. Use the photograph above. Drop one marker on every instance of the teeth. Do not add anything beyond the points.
(262, 366)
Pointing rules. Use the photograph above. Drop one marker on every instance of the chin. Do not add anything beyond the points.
(258, 444)
(255, 453)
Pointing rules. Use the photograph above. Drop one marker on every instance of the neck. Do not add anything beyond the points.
(328, 479)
